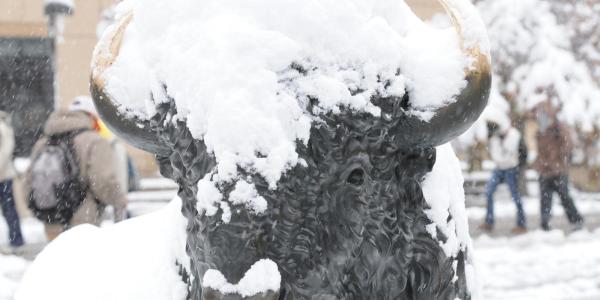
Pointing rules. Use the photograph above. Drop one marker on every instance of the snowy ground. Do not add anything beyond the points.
(13, 267)
(537, 265)
(540, 265)
(11, 270)
(556, 265)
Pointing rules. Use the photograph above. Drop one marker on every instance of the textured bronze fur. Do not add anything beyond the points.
(347, 224)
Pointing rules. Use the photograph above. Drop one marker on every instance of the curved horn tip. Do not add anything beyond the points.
(463, 14)
(133, 130)
(455, 118)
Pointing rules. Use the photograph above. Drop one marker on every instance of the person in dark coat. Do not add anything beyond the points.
(553, 161)
(7, 173)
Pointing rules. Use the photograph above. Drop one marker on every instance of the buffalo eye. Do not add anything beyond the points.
(356, 177)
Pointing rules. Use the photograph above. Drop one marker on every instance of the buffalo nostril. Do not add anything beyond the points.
(261, 282)
(356, 177)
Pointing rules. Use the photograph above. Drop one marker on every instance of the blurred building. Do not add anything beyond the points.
(26, 20)
(39, 73)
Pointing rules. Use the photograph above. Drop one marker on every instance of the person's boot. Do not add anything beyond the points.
(578, 226)
(519, 230)
(486, 227)
(546, 227)
(12, 250)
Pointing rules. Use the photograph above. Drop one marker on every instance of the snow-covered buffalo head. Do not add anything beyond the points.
(346, 222)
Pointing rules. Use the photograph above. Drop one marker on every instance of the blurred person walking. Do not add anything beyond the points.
(122, 159)
(555, 149)
(7, 174)
(82, 167)
(504, 150)
(127, 175)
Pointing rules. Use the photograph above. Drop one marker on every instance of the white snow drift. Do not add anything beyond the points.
(136, 259)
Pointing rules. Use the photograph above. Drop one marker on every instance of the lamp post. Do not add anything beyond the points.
(56, 10)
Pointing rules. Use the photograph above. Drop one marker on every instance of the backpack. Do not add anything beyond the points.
(56, 190)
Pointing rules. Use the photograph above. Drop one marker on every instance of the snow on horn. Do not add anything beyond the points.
(134, 130)
(454, 119)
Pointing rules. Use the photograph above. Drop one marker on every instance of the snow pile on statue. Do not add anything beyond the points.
(303, 136)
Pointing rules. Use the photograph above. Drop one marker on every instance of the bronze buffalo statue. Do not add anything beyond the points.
(349, 223)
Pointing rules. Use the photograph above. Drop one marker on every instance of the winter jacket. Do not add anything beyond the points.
(504, 149)
(7, 145)
(97, 164)
(554, 151)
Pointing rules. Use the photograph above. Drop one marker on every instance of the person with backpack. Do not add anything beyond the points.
(7, 173)
(504, 149)
(86, 104)
(74, 173)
